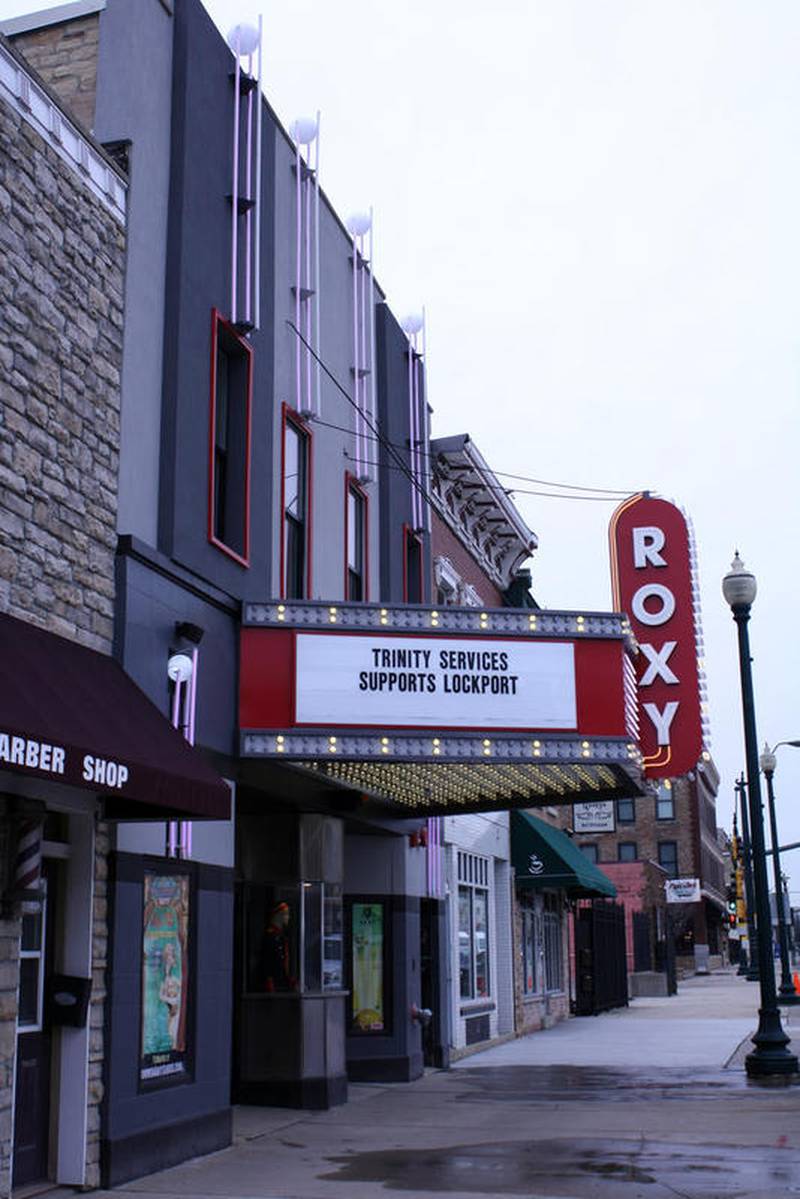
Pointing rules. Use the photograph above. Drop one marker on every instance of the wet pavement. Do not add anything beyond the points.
(648, 1101)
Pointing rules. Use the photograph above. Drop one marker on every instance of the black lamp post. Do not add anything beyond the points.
(770, 1056)
(751, 970)
(786, 993)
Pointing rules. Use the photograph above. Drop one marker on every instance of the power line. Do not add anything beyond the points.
(602, 499)
(608, 493)
(598, 494)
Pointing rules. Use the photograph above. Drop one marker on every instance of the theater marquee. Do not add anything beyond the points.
(435, 682)
(433, 712)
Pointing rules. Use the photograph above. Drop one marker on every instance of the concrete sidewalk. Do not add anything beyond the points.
(636, 1102)
(701, 1027)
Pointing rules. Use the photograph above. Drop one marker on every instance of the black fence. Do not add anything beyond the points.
(601, 969)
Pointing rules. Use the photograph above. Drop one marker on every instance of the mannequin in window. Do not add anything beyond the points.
(274, 962)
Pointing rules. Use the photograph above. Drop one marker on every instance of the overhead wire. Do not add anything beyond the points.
(394, 449)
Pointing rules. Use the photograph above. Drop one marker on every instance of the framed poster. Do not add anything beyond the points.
(368, 973)
(164, 1053)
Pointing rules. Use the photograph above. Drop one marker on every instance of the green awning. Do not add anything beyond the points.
(543, 856)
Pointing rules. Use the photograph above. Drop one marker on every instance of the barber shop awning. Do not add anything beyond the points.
(72, 716)
(544, 856)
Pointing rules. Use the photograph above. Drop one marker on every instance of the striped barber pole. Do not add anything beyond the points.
(28, 861)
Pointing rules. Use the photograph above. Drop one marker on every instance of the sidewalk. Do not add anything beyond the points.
(632, 1103)
(699, 1028)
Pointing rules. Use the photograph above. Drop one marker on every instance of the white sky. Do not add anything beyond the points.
(598, 203)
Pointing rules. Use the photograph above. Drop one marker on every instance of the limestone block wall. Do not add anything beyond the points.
(66, 56)
(62, 260)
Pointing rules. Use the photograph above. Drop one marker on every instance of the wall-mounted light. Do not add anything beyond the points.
(304, 130)
(179, 668)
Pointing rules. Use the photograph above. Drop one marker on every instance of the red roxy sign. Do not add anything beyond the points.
(652, 559)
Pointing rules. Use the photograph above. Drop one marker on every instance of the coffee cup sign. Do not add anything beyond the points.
(654, 582)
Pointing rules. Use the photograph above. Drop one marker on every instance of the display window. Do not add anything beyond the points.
(293, 938)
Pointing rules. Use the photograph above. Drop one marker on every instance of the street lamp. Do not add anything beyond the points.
(770, 1056)
(751, 969)
(768, 762)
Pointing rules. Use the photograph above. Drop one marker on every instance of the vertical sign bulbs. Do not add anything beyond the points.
(652, 575)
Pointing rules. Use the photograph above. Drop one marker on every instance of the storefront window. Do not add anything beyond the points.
(293, 937)
(473, 926)
(553, 948)
(530, 946)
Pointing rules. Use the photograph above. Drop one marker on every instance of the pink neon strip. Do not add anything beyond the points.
(249, 185)
(235, 193)
(192, 698)
(363, 315)
(308, 191)
(298, 325)
(357, 382)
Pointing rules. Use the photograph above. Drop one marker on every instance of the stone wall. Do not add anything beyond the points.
(61, 291)
(62, 256)
(65, 56)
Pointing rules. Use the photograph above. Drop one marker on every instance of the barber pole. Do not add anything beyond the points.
(654, 580)
(28, 860)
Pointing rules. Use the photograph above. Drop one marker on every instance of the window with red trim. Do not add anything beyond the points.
(296, 459)
(356, 585)
(412, 567)
(229, 467)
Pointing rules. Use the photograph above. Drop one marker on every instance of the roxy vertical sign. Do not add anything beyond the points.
(653, 579)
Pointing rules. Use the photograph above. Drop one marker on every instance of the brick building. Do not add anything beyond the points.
(674, 827)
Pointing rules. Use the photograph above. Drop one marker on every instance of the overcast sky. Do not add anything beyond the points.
(598, 203)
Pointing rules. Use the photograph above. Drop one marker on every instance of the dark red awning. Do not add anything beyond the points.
(71, 715)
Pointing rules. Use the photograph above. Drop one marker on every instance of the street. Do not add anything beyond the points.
(651, 1101)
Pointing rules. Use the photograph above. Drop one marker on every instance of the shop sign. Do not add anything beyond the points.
(435, 682)
(61, 762)
(594, 817)
(652, 576)
(682, 890)
(165, 977)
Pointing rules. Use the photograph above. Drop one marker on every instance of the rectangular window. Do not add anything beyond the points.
(356, 541)
(626, 851)
(473, 926)
(665, 801)
(31, 970)
(590, 851)
(553, 944)
(293, 937)
(626, 812)
(412, 567)
(668, 857)
(229, 465)
(296, 505)
(530, 945)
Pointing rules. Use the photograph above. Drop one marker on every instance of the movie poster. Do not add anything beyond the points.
(165, 976)
(367, 994)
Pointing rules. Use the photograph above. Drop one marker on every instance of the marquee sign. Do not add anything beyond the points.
(433, 682)
(653, 579)
(329, 678)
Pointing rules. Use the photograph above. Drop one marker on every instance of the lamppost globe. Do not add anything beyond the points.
(767, 761)
(739, 586)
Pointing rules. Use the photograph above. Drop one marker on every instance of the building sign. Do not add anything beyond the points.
(682, 890)
(436, 682)
(165, 976)
(367, 995)
(594, 817)
(653, 578)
